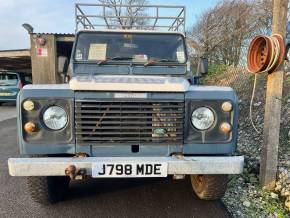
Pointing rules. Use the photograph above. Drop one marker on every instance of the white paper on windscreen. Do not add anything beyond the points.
(180, 56)
(98, 52)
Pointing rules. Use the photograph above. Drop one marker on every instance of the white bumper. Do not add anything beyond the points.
(176, 165)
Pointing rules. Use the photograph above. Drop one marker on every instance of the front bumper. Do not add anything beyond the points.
(177, 165)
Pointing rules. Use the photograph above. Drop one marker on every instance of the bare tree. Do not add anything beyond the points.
(224, 31)
(133, 14)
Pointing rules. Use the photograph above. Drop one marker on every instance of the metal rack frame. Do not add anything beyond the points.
(103, 19)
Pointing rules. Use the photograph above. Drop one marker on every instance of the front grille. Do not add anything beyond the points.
(129, 122)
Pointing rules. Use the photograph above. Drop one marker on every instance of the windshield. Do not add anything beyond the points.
(130, 47)
(8, 79)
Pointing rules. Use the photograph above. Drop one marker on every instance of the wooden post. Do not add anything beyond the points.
(269, 156)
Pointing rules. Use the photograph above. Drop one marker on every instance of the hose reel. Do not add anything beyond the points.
(266, 53)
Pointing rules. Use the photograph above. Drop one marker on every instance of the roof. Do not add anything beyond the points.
(15, 59)
(15, 53)
(56, 34)
(60, 37)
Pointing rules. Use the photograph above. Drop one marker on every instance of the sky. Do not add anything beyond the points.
(57, 16)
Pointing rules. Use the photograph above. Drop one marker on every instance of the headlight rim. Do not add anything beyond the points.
(214, 117)
(54, 105)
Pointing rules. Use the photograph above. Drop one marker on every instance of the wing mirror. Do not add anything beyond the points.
(202, 67)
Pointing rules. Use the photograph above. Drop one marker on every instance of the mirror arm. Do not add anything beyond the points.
(195, 80)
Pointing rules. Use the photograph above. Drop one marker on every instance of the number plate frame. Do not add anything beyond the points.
(5, 94)
(129, 169)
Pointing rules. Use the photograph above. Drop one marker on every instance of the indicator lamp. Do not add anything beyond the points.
(28, 105)
(225, 127)
(227, 106)
(29, 127)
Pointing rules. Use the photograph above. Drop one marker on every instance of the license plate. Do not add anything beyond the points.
(115, 170)
(5, 94)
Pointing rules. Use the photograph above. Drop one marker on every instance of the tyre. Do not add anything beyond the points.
(209, 187)
(49, 189)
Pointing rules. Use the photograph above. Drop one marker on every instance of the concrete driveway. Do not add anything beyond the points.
(7, 111)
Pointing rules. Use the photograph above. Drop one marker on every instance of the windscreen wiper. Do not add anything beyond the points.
(153, 62)
(117, 58)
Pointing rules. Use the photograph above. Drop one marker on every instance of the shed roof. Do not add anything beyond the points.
(15, 59)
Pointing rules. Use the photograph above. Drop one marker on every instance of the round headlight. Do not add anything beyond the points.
(202, 118)
(55, 118)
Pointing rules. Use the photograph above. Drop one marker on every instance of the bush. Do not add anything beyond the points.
(214, 69)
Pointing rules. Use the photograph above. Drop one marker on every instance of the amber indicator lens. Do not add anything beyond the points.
(29, 127)
(28, 105)
(225, 127)
(227, 106)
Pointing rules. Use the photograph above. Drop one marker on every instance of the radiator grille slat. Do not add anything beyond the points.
(132, 121)
(111, 111)
(94, 117)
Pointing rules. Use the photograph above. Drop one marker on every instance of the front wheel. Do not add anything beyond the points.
(209, 187)
(48, 189)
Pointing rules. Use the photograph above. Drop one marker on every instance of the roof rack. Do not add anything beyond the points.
(140, 17)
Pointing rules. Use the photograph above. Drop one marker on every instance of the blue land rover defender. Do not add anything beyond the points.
(130, 109)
